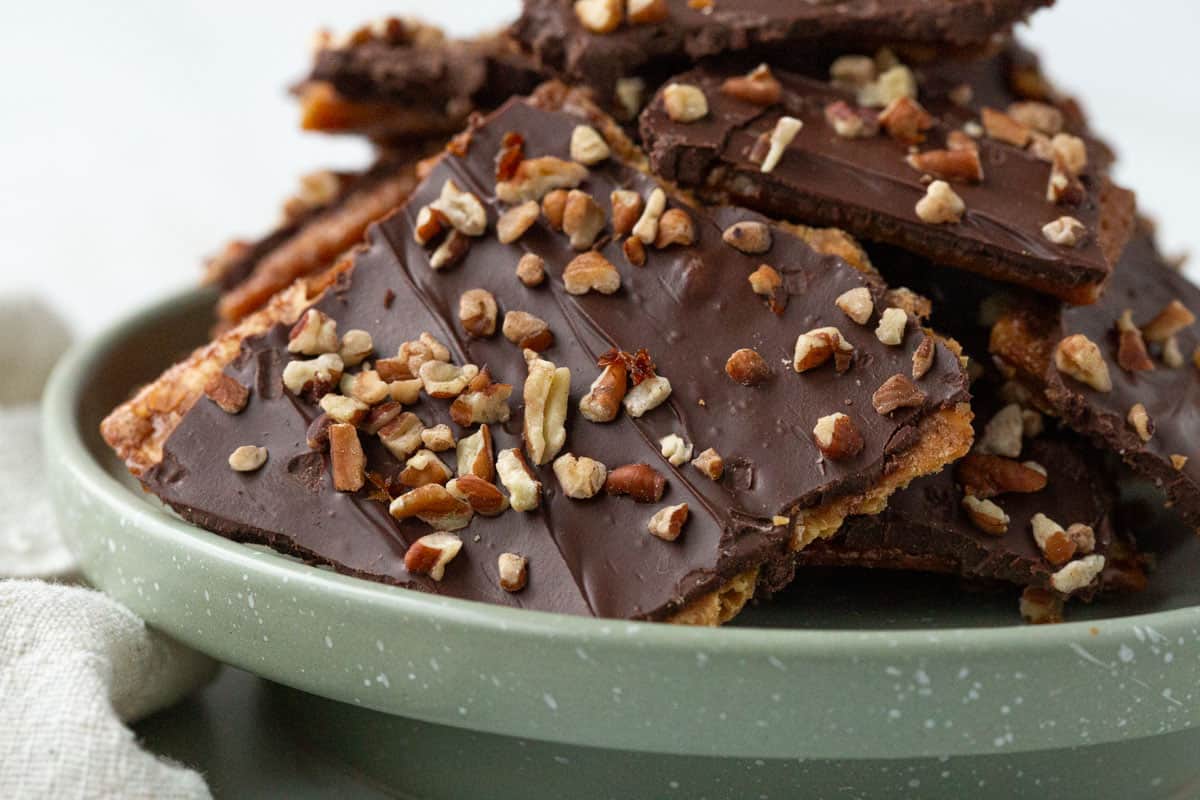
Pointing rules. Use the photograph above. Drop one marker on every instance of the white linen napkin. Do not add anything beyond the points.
(74, 664)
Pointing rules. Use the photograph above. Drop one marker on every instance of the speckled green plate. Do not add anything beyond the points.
(853, 675)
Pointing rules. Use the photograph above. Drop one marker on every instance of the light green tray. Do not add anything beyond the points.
(847, 682)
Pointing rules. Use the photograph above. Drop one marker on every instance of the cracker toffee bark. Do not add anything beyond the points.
(399, 80)
(720, 457)
(1008, 193)
(1124, 372)
(600, 42)
(1049, 528)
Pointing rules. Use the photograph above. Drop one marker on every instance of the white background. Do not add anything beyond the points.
(138, 135)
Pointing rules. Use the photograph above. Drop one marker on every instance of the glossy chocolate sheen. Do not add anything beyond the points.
(866, 187)
(925, 526)
(690, 307)
(552, 32)
(1143, 283)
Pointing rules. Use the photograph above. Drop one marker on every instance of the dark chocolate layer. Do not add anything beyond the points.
(865, 185)
(690, 307)
(1144, 284)
(926, 528)
(553, 33)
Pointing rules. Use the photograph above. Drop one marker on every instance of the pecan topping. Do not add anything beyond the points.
(588, 146)
(430, 554)
(450, 252)
(439, 438)
(896, 392)
(892, 325)
(1078, 574)
(1132, 355)
(819, 345)
(443, 380)
(1139, 420)
(857, 304)
(1003, 433)
(668, 522)
(645, 12)
(527, 331)
(356, 346)
(837, 437)
(766, 282)
(580, 477)
(599, 16)
(480, 495)
(514, 222)
(602, 403)
(347, 459)
(229, 395)
(591, 272)
(314, 334)
(402, 436)
(782, 135)
(247, 458)
(747, 367)
(905, 120)
(547, 388)
(583, 219)
(758, 86)
(1065, 231)
(474, 454)
(675, 449)
(531, 270)
(684, 102)
(536, 177)
(626, 208)
(851, 123)
(1041, 117)
(986, 515)
(513, 571)
(1174, 317)
(710, 464)
(462, 209)
(1078, 357)
(424, 468)
(923, 356)
(635, 251)
(433, 505)
(477, 312)
(640, 481)
(554, 206)
(344, 409)
(481, 401)
(940, 205)
(1004, 128)
(524, 489)
(430, 224)
(675, 227)
(315, 377)
(647, 395)
(748, 237)
(646, 228)
(510, 156)
(987, 476)
(949, 165)
(1040, 606)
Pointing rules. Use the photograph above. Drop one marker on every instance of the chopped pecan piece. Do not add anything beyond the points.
(481, 401)
(667, 523)
(1002, 436)
(1078, 574)
(675, 227)
(988, 476)
(514, 222)
(443, 380)
(758, 86)
(646, 228)
(536, 177)
(430, 554)
(685, 102)
(986, 515)
(583, 219)
(477, 312)
(546, 391)
(1078, 357)
(554, 206)
(851, 123)
(1132, 355)
(450, 252)
(599, 16)
(474, 454)
(1174, 318)
(602, 403)
(344, 409)
(439, 438)
(527, 331)
(748, 237)
(710, 464)
(819, 345)
(893, 323)
(356, 346)
(949, 165)
(346, 456)
(784, 133)
(647, 396)
(462, 209)
(433, 505)
(1041, 117)
(524, 489)
(923, 356)
(626, 208)
(1066, 231)
(1040, 606)
(229, 395)
(531, 270)
(580, 477)
(905, 120)
(588, 146)
(1141, 423)
(1004, 128)
(247, 458)
(314, 334)
(512, 571)
(635, 251)
(747, 367)
(856, 304)
(640, 481)
(510, 155)
(675, 449)
(591, 272)
(896, 392)
(940, 205)
(837, 437)
(424, 468)
(646, 12)
(402, 436)
(480, 495)
(315, 377)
